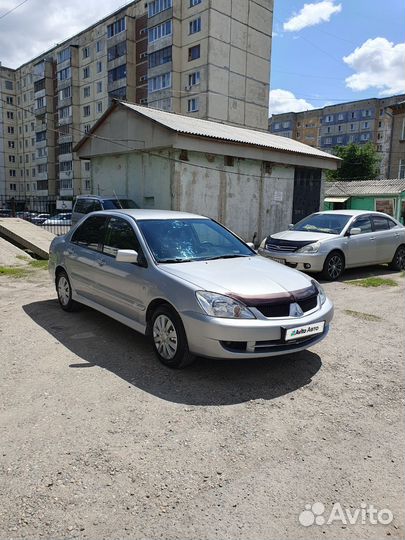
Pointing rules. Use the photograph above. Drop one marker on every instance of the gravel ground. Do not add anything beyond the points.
(98, 440)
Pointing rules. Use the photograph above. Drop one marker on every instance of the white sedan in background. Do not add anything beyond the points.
(328, 242)
(64, 218)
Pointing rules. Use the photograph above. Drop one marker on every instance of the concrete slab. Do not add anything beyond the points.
(27, 235)
(11, 255)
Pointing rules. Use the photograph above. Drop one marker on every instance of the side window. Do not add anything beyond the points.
(363, 223)
(391, 223)
(380, 223)
(91, 233)
(120, 235)
(97, 206)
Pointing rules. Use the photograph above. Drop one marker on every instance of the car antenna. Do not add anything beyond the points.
(118, 201)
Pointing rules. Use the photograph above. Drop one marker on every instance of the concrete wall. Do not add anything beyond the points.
(241, 197)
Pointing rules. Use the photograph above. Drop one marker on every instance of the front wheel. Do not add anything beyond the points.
(398, 262)
(169, 338)
(64, 291)
(334, 266)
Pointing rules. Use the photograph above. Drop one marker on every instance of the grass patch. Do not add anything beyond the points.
(362, 316)
(13, 271)
(373, 282)
(39, 263)
(23, 257)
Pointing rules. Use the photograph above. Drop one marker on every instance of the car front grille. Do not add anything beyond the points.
(282, 309)
(285, 246)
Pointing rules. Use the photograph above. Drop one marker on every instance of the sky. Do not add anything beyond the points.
(324, 52)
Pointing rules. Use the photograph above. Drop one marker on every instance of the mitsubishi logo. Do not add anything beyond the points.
(295, 310)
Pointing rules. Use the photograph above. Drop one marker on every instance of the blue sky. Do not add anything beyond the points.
(309, 46)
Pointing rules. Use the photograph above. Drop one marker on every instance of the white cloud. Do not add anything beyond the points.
(312, 14)
(38, 25)
(285, 101)
(379, 64)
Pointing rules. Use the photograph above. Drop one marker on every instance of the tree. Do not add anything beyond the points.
(359, 163)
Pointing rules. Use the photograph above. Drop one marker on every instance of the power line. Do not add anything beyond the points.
(13, 9)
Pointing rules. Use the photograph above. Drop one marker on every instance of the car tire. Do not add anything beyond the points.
(334, 266)
(64, 292)
(169, 338)
(398, 261)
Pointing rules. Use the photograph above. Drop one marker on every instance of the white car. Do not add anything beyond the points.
(59, 219)
(328, 242)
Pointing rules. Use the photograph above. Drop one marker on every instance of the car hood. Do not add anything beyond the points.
(303, 236)
(243, 277)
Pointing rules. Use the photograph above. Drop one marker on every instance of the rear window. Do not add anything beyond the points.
(112, 204)
(84, 206)
(381, 223)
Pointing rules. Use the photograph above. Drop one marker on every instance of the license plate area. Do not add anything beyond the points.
(302, 332)
(276, 259)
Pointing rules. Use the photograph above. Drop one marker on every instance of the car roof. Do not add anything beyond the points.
(100, 198)
(143, 214)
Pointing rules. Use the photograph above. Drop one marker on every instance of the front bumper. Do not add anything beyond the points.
(250, 338)
(307, 262)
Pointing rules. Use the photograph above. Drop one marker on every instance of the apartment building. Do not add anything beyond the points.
(397, 150)
(206, 58)
(356, 122)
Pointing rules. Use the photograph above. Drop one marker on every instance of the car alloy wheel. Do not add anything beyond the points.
(64, 292)
(169, 338)
(165, 337)
(398, 262)
(334, 266)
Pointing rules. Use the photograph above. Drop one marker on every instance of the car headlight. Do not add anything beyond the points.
(310, 248)
(218, 305)
(321, 292)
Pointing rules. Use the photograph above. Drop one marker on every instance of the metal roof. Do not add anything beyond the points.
(206, 128)
(366, 187)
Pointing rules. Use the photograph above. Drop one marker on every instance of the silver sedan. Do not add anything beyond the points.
(189, 283)
(328, 242)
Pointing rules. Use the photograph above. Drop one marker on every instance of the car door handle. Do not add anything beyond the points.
(373, 238)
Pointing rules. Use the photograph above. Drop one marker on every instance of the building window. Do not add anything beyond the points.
(116, 51)
(11, 144)
(11, 159)
(86, 110)
(87, 128)
(10, 129)
(63, 55)
(194, 2)
(194, 53)
(119, 93)
(86, 91)
(85, 52)
(403, 130)
(64, 112)
(364, 136)
(99, 46)
(157, 6)
(192, 105)
(41, 136)
(64, 74)
(340, 116)
(194, 78)
(401, 171)
(379, 147)
(160, 82)
(65, 93)
(65, 148)
(10, 115)
(117, 73)
(328, 140)
(353, 114)
(160, 31)
(86, 72)
(100, 107)
(366, 113)
(379, 136)
(116, 27)
(65, 166)
(99, 67)
(339, 140)
(351, 127)
(328, 130)
(43, 168)
(365, 125)
(13, 187)
(162, 56)
(195, 26)
(87, 166)
(9, 100)
(339, 128)
(12, 172)
(99, 87)
(8, 85)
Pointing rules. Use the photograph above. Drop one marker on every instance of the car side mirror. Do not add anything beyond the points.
(127, 256)
(354, 231)
(251, 245)
(291, 227)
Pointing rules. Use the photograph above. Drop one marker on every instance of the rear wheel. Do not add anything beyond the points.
(64, 292)
(169, 338)
(334, 266)
(398, 262)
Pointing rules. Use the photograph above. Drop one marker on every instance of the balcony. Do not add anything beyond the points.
(40, 111)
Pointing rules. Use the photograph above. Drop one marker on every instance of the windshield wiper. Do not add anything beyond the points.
(175, 260)
(226, 257)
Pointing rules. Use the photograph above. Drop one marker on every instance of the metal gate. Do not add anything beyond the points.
(307, 192)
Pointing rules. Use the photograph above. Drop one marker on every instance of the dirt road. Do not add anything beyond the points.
(98, 440)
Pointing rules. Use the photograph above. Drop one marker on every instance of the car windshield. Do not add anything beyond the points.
(112, 204)
(323, 223)
(186, 240)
